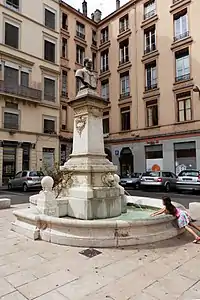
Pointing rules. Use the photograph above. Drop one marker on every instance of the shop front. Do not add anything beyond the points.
(154, 157)
(184, 156)
(9, 162)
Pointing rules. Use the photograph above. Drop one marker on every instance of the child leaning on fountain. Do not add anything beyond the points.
(183, 218)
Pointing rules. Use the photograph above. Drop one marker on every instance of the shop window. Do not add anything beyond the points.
(154, 157)
(184, 156)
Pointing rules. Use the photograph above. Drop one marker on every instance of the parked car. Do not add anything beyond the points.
(158, 179)
(26, 180)
(188, 180)
(131, 181)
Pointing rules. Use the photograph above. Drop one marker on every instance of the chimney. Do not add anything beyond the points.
(97, 15)
(92, 16)
(117, 4)
(84, 8)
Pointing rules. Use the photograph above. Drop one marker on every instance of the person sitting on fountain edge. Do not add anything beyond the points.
(183, 218)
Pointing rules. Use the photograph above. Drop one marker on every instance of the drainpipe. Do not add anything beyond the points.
(136, 64)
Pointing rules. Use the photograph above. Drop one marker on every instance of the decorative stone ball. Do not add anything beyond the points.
(47, 183)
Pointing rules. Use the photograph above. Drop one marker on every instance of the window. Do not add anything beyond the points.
(106, 127)
(80, 54)
(123, 24)
(182, 65)
(94, 61)
(125, 118)
(49, 51)
(94, 38)
(11, 35)
(124, 85)
(14, 4)
(64, 84)
(11, 120)
(80, 30)
(11, 76)
(105, 89)
(49, 89)
(64, 48)
(64, 21)
(150, 40)
(50, 19)
(49, 126)
(123, 52)
(25, 79)
(64, 118)
(149, 9)
(104, 35)
(151, 76)
(104, 61)
(152, 113)
(181, 25)
(184, 107)
(11, 105)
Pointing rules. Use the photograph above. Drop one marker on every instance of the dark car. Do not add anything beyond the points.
(131, 181)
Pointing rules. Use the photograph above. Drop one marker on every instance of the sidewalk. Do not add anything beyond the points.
(38, 270)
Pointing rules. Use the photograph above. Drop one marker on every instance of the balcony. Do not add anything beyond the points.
(123, 28)
(150, 86)
(150, 14)
(80, 35)
(182, 77)
(104, 69)
(150, 48)
(104, 40)
(20, 91)
(124, 60)
(181, 36)
(124, 95)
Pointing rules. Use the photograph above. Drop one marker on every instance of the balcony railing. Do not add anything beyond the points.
(104, 69)
(150, 14)
(49, 97)
(150, 48)
(150, 86)
(181, 36)
(123, 28)
(183, 77)
(124, 95)
(80, 35)
(64, 94)
(11, 126)
(104, 40)
(20, 91)
(124, 60)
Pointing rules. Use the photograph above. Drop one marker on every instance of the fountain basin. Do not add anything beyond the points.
(104, 233)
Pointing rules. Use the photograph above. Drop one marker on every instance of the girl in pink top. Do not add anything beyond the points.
(183, 218)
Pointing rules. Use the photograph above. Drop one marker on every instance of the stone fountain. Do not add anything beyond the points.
(87, 209)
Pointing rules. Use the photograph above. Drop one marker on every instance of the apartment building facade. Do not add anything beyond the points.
(148, 61)
(29, 85)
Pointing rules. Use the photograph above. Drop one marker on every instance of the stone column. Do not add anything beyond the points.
(19, 159)
(1, 164)
(33, 159)
(92, 193)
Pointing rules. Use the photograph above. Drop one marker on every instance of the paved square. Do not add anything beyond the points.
(38, 270)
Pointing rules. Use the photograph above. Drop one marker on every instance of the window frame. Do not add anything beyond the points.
(149, 106)
(51, 10)
(43, 91)
(124, 110)
(184, 109)
(49, 118)
(52, 41)
(14, 112)
(14, 24)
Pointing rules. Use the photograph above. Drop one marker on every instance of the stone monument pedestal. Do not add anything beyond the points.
(94, 193)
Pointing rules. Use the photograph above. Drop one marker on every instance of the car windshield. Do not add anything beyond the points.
(36, 174)
(189, 173)
(151, 174)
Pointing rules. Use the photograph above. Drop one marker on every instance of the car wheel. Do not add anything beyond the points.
(9, 186)
(167, 187)
(25, 187)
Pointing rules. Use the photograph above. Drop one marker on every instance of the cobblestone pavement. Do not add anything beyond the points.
(38, 270)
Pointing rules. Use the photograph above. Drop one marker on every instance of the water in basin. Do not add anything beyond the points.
(134, 213)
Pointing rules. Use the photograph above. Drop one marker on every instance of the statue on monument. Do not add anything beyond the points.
(86, 75)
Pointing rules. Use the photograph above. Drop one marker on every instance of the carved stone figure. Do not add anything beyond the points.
(122, 193)
(108, 180)
(87, 76)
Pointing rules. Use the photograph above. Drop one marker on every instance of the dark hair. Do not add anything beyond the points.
(169, 206)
